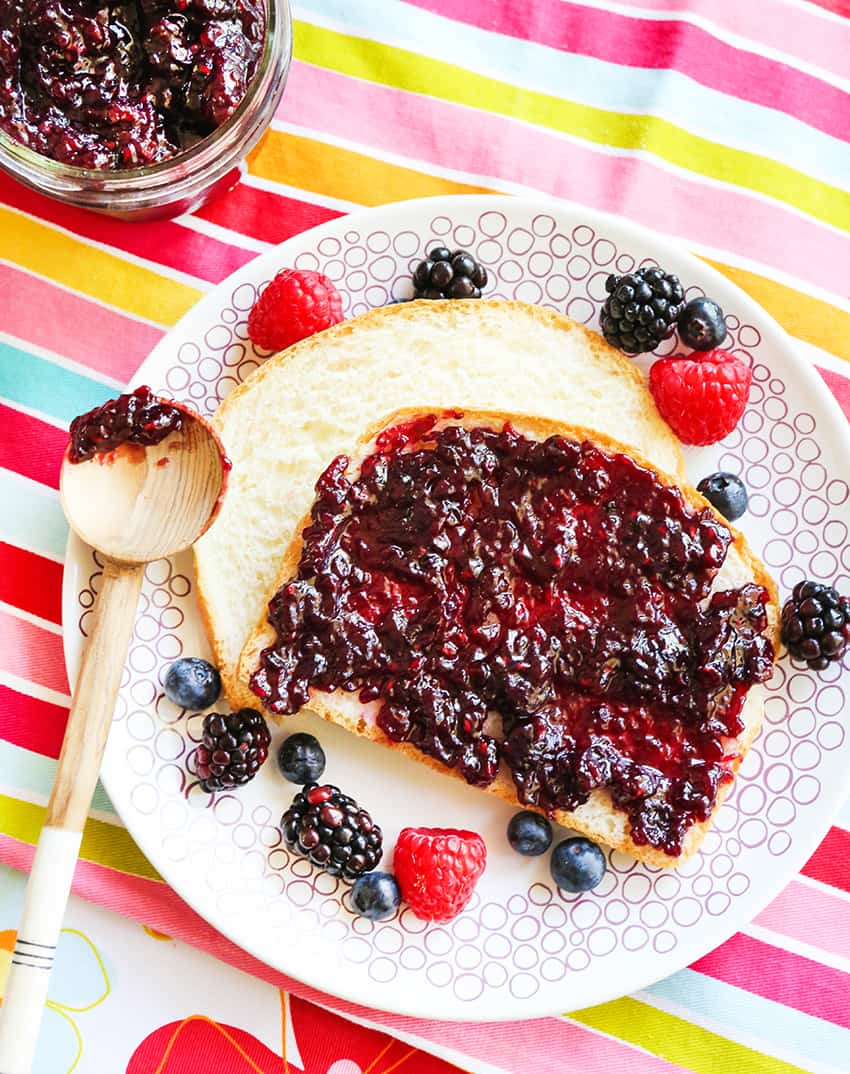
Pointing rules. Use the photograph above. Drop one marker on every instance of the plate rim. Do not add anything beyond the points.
(827, 405)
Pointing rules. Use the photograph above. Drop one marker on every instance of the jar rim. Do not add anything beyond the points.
(56, 178)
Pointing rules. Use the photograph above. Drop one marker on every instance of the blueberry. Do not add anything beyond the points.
(529, 834)
(192, 683)
(701, 324)
(301, 759)
(577, 864)
(376, 896)
(727, 492)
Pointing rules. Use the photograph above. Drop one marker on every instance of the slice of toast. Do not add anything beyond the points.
(312, 401)
(597, 818)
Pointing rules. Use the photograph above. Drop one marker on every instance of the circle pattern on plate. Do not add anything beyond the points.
(538, 934)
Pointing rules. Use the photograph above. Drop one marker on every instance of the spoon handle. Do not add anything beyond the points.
(49, 883)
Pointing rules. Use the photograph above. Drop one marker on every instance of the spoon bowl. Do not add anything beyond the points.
(136, 504)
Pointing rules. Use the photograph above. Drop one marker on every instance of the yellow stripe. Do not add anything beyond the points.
(810, 319)
(376, 62)
(92, 271)
(103, 844)
(688, 1045)
(341, 173)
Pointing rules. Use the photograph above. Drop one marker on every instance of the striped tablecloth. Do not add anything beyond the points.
(721, 123)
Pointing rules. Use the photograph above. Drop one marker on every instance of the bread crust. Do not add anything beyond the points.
(582, 819)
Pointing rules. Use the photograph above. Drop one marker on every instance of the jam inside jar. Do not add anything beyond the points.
(111, 86)
(542, 603)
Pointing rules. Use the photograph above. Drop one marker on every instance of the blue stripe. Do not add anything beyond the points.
(44, 386)
(32, 773)
(31, 516)
(666, 94)
(779, 1027)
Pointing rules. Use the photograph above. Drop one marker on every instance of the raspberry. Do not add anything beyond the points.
(702, 400)
(294, 305)
(437, 870)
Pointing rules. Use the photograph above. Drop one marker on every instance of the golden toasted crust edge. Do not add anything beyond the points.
(240, 695)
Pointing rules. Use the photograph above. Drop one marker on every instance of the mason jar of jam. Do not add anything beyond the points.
(137, 108)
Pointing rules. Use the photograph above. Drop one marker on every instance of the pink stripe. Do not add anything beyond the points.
(789, 29)
(781, 976)
(839, 386)
(812, 916)
(661, 44)
(545, 1045)
(493, 146)
(162, 242)
(32, 653)
(35, 310)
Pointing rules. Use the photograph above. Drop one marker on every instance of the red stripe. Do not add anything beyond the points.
(161, 241)
(661, 43)
(839, 386)
(264, 215)
(33, 652)
(33, 724)
(830, 863)
(837, 7)
(780, 976)
(31, 582)
(31, 447)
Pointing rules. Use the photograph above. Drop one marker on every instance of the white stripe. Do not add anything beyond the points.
(687, 104)
(817, 10)
(823, 358)
(825, 889)
(32, 413)
(716, 253)
(797, 947)
(31, 797)
(47, 280)
(28, 617)
(58, 359)
(34, 689)
(224, 234)
(121, 255)
(762, 1045)
(729, 37)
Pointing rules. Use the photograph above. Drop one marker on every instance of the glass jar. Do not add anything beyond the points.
(188, 179)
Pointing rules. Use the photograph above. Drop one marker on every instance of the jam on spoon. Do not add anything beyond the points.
(467, 571)
(139, 417)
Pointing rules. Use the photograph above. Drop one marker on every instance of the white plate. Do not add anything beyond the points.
(521, 949)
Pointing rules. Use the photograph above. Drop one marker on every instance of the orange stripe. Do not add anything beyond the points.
(325, 169)
(810, 319)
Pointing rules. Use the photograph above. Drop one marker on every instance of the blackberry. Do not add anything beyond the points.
(449, 273)
(641, 309)
(232, 750)
(816, 624)
(332, 830)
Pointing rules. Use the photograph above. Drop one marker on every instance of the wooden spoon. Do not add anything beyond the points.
(134, 505)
